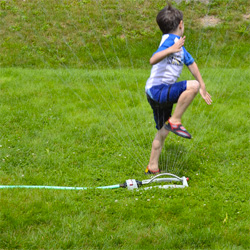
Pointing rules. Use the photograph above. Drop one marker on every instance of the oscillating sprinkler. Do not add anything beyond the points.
(134, 184)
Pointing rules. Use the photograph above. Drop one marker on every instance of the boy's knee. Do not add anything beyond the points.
(193, 85)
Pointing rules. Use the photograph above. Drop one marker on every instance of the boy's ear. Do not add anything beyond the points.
(181, 24)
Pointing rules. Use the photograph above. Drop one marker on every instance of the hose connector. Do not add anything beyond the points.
(131, 184)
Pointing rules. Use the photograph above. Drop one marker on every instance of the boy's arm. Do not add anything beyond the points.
(157, 57)
(196, 73)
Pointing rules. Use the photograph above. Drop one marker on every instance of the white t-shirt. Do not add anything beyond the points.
(169, 69)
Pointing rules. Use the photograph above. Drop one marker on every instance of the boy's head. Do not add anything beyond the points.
(168, 19)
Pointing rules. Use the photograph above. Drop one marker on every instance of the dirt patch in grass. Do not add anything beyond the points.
(246, 17)
(209, 21)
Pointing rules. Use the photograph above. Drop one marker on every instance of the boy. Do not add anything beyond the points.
(162, 89)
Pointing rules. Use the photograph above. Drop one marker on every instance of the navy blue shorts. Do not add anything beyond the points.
(161, 99)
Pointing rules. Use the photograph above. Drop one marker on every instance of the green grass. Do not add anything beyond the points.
(94, 128)
(74, 113)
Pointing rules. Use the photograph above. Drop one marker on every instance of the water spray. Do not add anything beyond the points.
(129, 184)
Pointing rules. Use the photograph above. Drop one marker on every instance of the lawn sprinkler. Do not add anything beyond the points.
(129, 184)
(134, 184)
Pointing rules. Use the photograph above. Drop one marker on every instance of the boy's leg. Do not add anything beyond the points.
(157, 145)
(184, 100)
(162, 111)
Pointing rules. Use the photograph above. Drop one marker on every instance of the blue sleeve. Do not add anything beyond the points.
(188, 59)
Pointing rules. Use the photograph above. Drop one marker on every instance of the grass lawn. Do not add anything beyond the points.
(74, 113)
(73, 127)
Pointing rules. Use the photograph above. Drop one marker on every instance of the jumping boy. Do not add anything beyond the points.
(162, 89)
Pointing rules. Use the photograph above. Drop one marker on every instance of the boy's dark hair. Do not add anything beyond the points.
(168, 19)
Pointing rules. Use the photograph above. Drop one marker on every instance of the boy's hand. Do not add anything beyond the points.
(177, 46)
(206, 96)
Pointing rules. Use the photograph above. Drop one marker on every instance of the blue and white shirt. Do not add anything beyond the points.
(169, 69)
